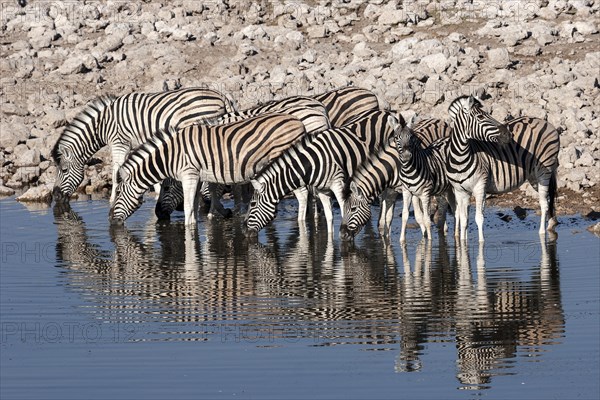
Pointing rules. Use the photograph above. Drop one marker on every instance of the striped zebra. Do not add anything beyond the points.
(308, 110)
(345, 104)
(323, 162)
(412, 163)
(486, 156)
(123, 123)
(231, 153)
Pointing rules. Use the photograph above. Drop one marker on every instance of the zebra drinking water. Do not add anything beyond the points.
(123, 123)
(231, 153)
(323, 162)
(486, 156)
(413, 163)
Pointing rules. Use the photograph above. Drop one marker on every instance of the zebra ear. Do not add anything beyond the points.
(356, 190)
(65, 152)
(473, 102)
(123, 175)
(258, 187)
(411, 121)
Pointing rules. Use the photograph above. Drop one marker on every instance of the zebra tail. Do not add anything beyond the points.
(552, 191)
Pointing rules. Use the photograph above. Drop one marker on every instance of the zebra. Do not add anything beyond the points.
(323, 162)
(346, 104)
(486, 156)
(311, 112)
(231, 153)
(123, 123)
(412, 163)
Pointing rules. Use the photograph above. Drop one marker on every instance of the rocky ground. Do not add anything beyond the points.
(535, 58)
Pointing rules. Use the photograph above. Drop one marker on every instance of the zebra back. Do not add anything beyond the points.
(316, 158)
(533, 153)
(431, 129)
(139, 115)
(346, 103)
(230, 153)
(311, 112)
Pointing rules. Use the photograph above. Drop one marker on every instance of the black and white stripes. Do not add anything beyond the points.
(323, 162)
(123, 123)
(486, 156)
(231, 153)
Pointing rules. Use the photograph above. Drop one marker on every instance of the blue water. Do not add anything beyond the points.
(157, 311)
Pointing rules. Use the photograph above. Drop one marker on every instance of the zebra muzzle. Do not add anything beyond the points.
(59, 196)
(249, 232)
(345, 233)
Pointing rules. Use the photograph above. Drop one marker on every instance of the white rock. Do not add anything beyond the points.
(12, 132)
(436, 62)
(586, 27)
(586, 160)
(6, 191)
(30, 158)
(55, 118)
(295, 38)
(309, 56)
(42, 193)
(316, 32)
(403, 47)
(362, 50)
(499, 58)
(392, 17)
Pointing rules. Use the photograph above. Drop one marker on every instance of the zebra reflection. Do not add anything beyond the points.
(495, 317)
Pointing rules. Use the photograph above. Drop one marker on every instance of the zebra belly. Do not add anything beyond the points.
(506, 181)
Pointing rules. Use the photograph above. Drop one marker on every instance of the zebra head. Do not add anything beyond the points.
(472, 122)
(357, 211)
(70, 169)
(77, 143)
(128, 199)
(170, 198)
(261, 211)
(406, 141)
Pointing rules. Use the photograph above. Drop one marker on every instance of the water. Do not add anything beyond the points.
(157, 311)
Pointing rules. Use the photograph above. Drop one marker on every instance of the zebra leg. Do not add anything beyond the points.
(543, 196)
(338, 190)
(326, 202)
(461, 215)
(406, 200)
(302, 196)
(189, 182)
(420, 215)
(118, 155)
(386, 214)
(442, 209)
(425, 200)
(479, 192)
(216, 193)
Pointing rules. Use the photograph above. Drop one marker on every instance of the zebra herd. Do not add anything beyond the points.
(338, 143)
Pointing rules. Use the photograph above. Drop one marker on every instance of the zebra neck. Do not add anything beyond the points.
(460, 156)
(286, 175)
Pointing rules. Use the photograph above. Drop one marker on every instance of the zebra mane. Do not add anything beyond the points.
(91, 111)
(211, 121)
(461, 100)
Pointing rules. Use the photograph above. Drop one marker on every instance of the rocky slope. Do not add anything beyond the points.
(535, 58)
